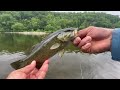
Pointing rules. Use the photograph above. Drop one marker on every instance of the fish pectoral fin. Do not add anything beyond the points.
(54, 46)
(61, 53)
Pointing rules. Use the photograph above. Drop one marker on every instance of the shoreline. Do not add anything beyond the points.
(29, 33)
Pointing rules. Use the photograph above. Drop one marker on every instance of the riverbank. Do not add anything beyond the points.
(29, 33)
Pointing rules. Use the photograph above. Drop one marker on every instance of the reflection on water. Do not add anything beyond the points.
(73, 65)
(18, 43)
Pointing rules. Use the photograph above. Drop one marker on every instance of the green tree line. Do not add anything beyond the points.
(19, 21)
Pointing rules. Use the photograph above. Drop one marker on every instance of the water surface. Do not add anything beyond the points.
(73, 64)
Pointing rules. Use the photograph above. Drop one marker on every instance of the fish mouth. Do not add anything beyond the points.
(75, 33)
(68, 35)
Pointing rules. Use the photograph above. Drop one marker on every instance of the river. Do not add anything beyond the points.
(73, 64)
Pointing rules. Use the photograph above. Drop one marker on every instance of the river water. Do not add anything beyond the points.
(73, 64)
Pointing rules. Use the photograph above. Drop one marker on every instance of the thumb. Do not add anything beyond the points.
(27, 69)
(82, 33)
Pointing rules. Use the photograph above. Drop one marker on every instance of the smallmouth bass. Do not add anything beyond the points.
(48, 47)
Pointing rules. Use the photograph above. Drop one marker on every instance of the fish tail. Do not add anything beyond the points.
(20, 64)
(17, 64)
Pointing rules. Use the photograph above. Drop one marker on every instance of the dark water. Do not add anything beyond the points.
(73, 65)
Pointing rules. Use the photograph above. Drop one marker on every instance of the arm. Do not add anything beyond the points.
(98, 40)
(115, 44)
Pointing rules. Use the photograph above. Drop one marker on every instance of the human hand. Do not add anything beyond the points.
(94, 39)
(30, 72)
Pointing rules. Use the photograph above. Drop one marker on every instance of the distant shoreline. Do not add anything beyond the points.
(29, 33)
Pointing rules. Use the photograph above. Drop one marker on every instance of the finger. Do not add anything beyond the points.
(29, 68)
(46, 62)
(82, 33)
(34, 71)
(77, 41)
(44, 66)
(86, 47)
(43, 70)
(42, 73)
(33, 76)
(85, 40)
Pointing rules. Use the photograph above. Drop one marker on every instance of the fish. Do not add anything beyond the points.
(52, 44)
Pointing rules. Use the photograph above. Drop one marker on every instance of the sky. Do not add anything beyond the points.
(108, 12)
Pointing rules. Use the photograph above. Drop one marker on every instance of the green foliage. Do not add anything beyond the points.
(6, 20)
(18, 27)
(49, 27)
(52, 21)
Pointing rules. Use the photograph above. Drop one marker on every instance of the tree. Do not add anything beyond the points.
(6, 20)
(18, 27)
(34, 23)
(49, 28)
(117, 25)
(52, 21)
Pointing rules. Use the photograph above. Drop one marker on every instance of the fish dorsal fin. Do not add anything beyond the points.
(34, 47)
(54, 46)
(61, 53)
